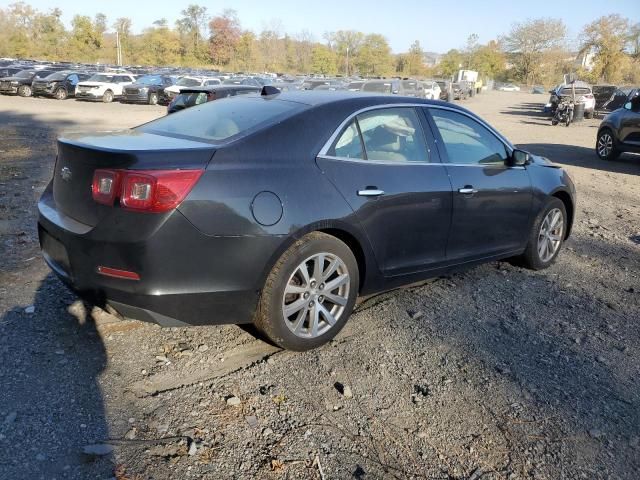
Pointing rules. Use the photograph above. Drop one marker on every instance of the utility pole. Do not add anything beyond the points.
(118, 49)
(347, 61)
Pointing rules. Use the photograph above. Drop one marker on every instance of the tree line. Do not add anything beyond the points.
(533, 51)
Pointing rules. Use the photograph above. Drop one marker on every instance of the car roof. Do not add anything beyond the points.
(219, 88)
(324, 97)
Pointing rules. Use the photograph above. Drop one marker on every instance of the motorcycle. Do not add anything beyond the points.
(564, 112)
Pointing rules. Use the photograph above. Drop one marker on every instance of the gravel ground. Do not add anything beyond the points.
(496, 372)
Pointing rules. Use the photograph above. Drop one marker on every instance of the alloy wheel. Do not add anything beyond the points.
(605, 145)
(550, 235)
(316, 295)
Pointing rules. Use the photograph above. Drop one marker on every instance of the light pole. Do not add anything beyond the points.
(347, 61)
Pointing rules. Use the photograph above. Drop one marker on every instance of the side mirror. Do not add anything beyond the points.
(519, 158)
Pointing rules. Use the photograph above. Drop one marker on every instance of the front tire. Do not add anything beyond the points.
(546, 236)
(24, 91)
(606, 147)
(309, 293)
(107, 97)
(61, 94)
(153, 99)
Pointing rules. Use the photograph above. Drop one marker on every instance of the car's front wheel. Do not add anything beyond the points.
(546, 236)
(107, 97)
(153, 99)
(309, 294)
(24, 91)
(606, 147)
(61, 94)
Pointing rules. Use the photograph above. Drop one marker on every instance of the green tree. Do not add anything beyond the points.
(246, 52)
(414, 60)
(374, 56)
(85, 40)
(488, 60)
(49, 35)
(191, 26)
(450, 63)
(323, 60)
(158, 45)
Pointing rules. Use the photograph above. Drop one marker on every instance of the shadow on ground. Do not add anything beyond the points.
(583, 157)
(51, 401)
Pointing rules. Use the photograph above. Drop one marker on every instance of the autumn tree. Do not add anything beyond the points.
(528, 43)
(608, 38)
(225, 34)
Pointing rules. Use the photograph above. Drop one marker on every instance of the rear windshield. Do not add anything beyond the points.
(185, 100)
(150, 80)
(579, 91)
(377, 87)
(222, 120)
(25, 74)
(102, 78)
(188, 82)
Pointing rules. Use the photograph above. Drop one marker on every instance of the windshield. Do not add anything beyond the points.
(25, 74)
(223, 119)
(380, 87)
(150, 80)
(188, 82)
(57, 76)
(101, 78)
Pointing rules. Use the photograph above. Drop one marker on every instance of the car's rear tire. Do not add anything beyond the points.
(606, 145)
(546, 236)
(309, 293)
(153, 99)
(107, 97)
(61, 94)
(24, 91)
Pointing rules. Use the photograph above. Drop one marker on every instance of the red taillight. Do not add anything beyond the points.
(106, 186)
(144, 190)
(116, 273)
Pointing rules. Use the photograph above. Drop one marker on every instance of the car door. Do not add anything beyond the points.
(390, 174)
(630, 124)
(491, 200)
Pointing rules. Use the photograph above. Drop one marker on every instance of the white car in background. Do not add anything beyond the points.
(431, 90)
(187, 82)
(509, 87)
(104, 86)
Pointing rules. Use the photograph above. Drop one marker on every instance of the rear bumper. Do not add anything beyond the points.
(186, 277)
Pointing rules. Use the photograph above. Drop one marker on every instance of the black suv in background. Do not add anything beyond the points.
(60, 85)
(20, 83)
(146, 89)
(189, 97)
(9, 71)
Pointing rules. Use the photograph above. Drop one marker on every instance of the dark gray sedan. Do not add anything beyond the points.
(280, 209)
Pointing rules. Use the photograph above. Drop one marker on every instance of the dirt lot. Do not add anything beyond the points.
(497, 372)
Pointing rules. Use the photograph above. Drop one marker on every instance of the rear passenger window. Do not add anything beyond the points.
(349, 144)
(393, 135)
(466, 140)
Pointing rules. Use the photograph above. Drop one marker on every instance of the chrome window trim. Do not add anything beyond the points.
(346, 121)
